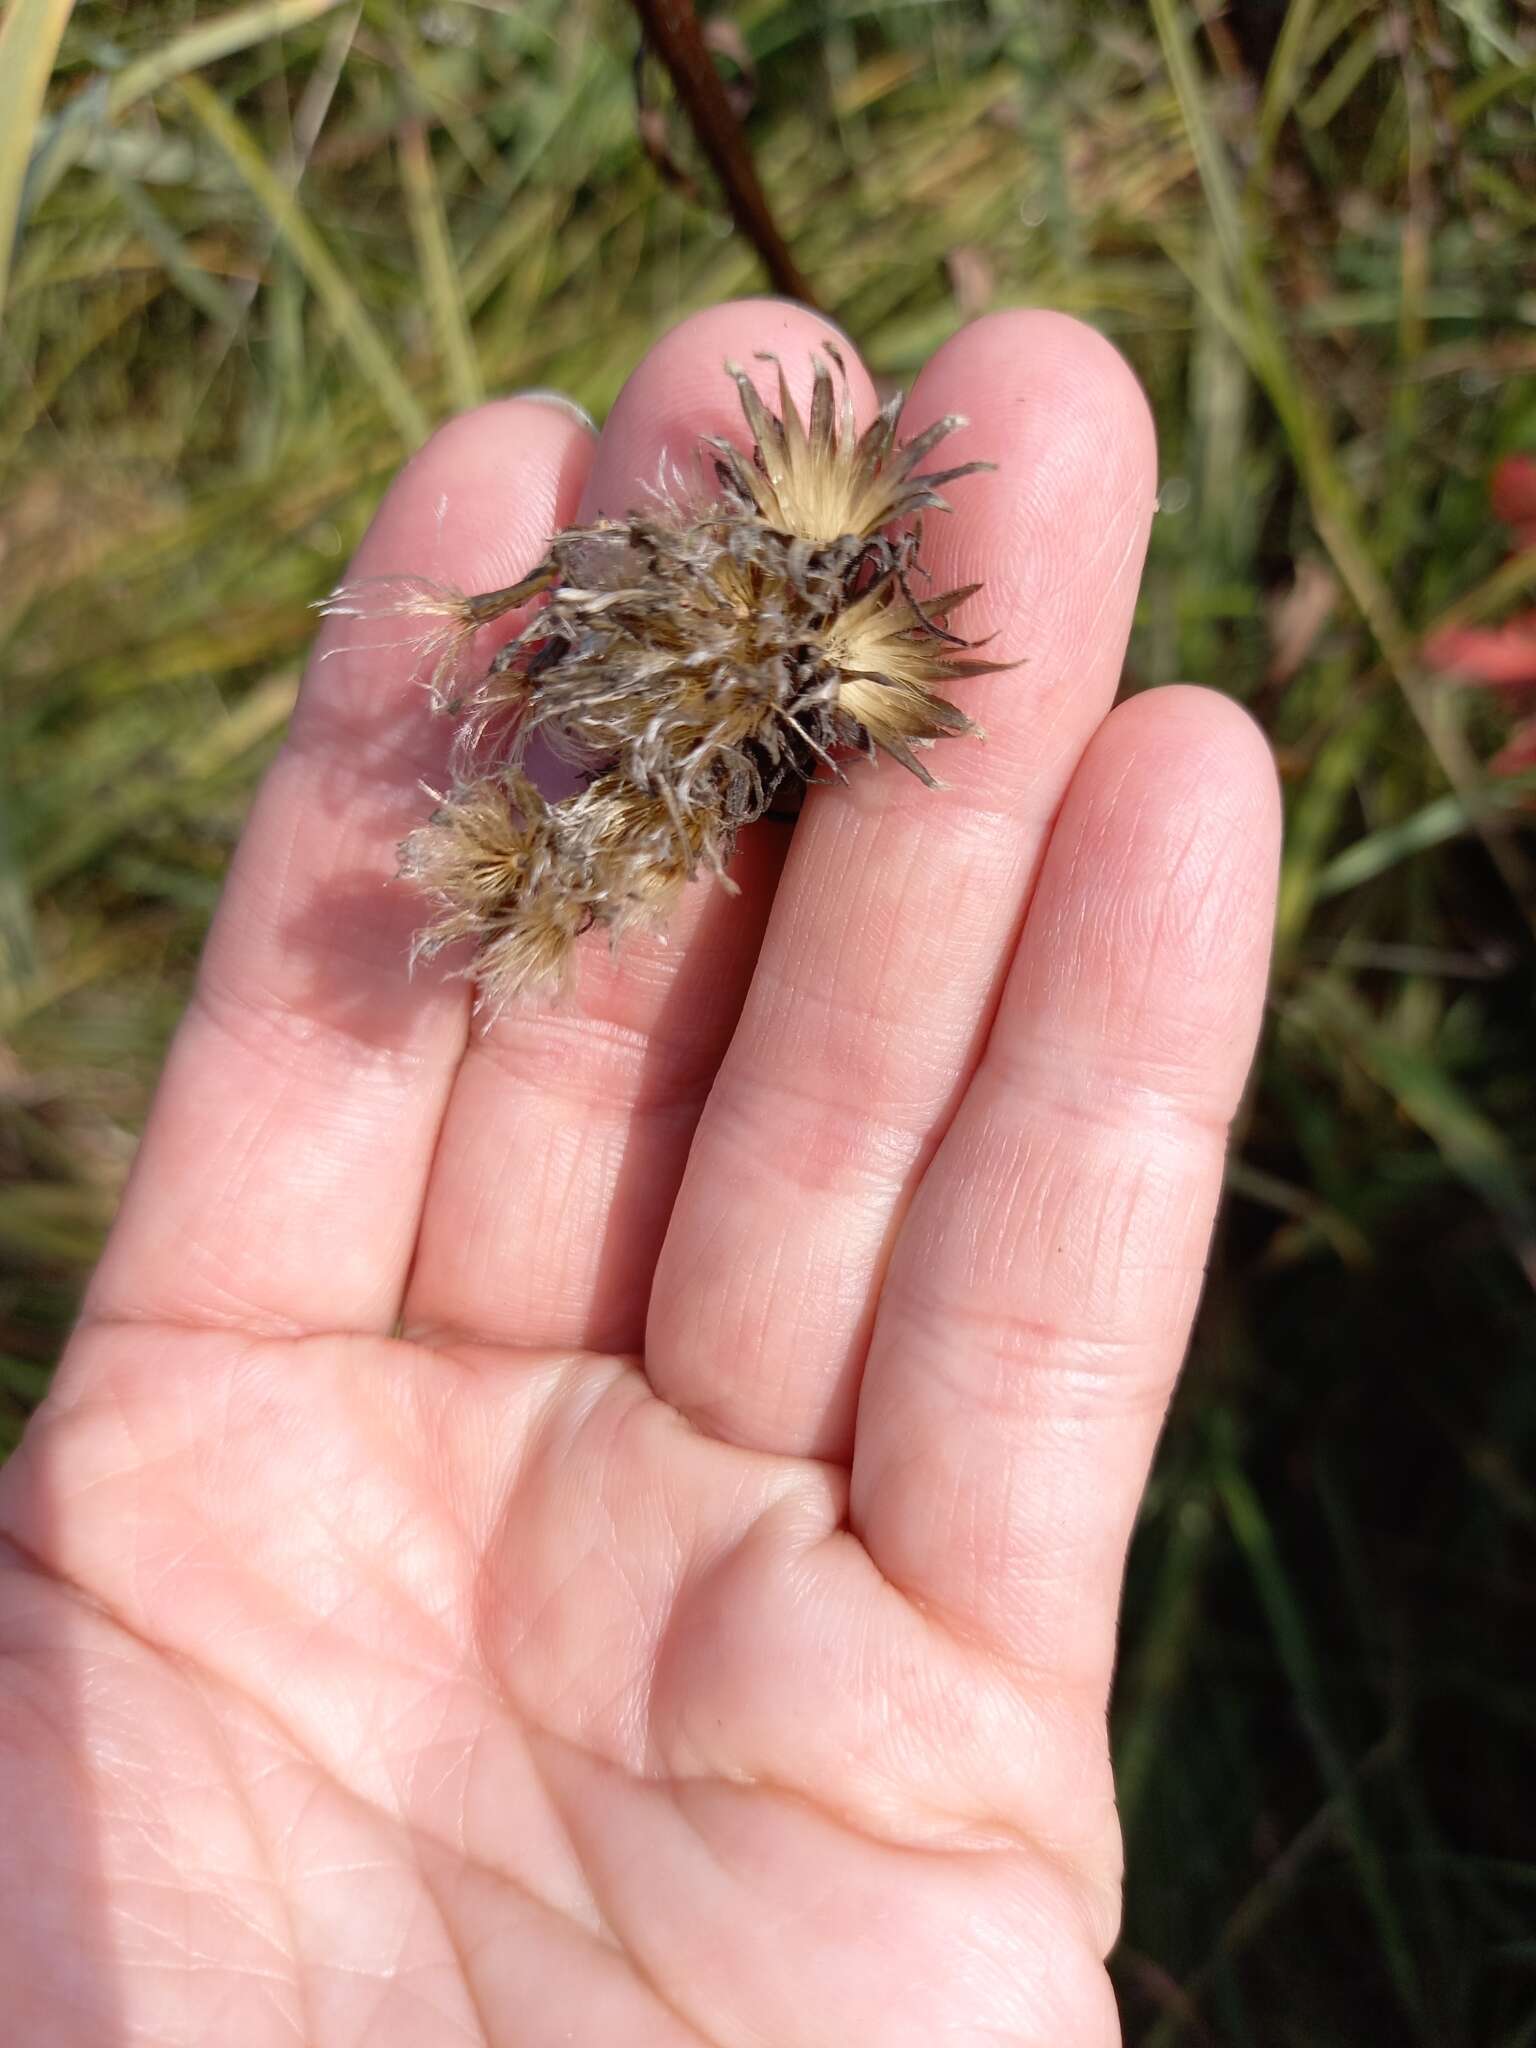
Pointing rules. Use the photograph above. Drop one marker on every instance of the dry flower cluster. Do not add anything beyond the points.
(689, 660)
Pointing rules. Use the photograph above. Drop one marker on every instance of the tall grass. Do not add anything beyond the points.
(261, 250)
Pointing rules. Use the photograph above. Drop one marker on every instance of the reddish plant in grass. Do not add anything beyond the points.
(1502, 657)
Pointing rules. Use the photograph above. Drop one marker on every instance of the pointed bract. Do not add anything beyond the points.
(830, 482)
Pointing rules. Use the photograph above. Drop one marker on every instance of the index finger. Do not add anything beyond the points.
(280, 1181)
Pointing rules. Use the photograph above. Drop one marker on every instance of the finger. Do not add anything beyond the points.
(900, 905)
(280, 1181)
(1041, 1293)
(570, 1124)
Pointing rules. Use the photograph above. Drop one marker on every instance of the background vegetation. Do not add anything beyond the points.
(261, 251)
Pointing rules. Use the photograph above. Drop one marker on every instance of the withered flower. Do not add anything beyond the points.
(830, 482)
(689, 660)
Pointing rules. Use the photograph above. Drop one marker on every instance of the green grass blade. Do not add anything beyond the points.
(1475, 100)
(1282, 83)
(1255, 1538)
(1150, 1686)
(18, 935)
(1174, 29)
(1344, 80)
(325, 276)
(1471, 1144)
(1447, 818)
(439, 269)
(1255, 323)
(1266, 1898)
(24, 1378)
(211, 297)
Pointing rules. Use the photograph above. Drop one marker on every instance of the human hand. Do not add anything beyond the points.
(695, 1625)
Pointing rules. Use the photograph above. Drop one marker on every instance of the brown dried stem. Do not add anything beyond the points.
(672, 34)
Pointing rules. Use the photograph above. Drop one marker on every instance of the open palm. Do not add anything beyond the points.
(607, 1528)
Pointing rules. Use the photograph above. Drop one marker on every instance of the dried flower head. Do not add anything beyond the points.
(829, 482)
(523, 878)
(689, 661)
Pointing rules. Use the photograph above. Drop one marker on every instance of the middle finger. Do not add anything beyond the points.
(899, 907)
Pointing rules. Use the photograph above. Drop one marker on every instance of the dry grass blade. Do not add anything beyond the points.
(30, 35)
(206, 42)
(202, 44)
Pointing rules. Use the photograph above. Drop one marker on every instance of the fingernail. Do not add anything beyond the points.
(559, 400)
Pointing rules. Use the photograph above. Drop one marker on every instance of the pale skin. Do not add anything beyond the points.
(608, 1528)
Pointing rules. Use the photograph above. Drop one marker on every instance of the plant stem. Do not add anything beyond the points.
(671, 30)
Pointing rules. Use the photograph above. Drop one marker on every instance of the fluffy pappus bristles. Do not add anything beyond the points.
(449, 619)
(689, 660)
(522, 878)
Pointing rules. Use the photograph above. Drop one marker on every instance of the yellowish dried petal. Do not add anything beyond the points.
(831, 482)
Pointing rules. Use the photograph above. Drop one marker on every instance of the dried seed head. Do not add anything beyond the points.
(485, 847)
(827, 480)
(689, 660)
(522, 878)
